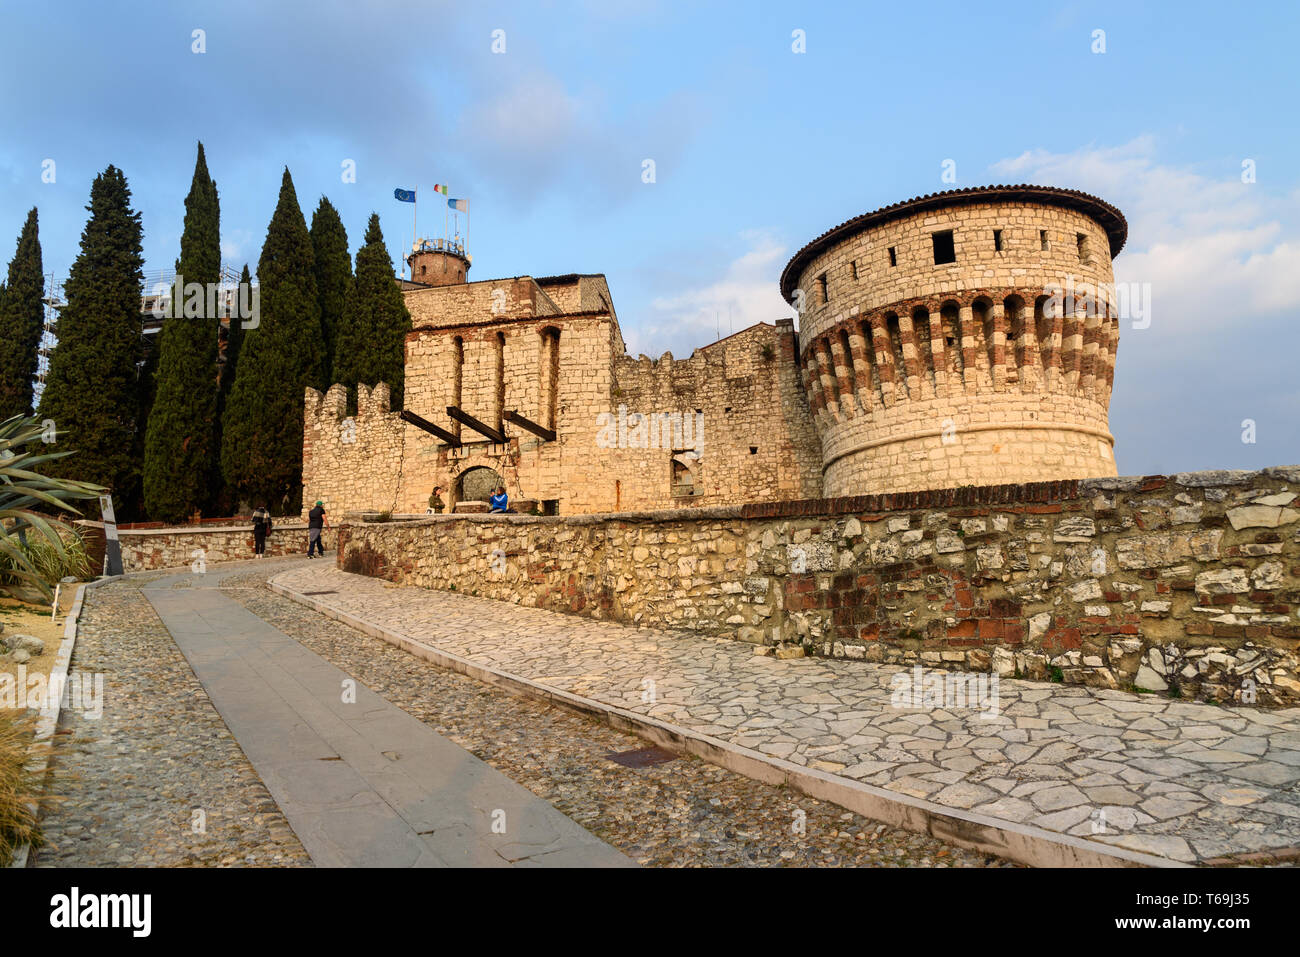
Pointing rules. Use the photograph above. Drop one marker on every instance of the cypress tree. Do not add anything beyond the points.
(22, 315)
(261, 453)
(179, 448)
(372, 340)
(92, 389)
(329, 242)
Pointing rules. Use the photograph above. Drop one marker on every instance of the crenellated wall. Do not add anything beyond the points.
(1186, 584)
(738, 427)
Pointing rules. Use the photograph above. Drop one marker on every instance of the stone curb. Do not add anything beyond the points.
(48, 722)
(1022, 843)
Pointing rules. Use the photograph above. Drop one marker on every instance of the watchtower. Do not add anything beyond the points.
(438, 262)
(935, 352)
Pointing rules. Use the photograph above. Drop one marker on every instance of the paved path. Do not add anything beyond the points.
(152, 777)
(1181, 780)
(361, 782)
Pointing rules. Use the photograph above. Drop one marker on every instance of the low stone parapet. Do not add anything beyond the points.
(176, 546)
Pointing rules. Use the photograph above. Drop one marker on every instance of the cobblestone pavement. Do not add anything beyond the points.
(124, 788)
(1183, 780)
(684, 812)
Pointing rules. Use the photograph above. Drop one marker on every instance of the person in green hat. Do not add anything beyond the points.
(316, 523)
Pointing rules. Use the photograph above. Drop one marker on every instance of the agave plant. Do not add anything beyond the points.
(25, 493)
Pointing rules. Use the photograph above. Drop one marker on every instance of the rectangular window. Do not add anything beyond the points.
(893, 256)
(944, 249)
(997, 240)
(1081, 240)
(1042, 239)
(853, 270)
(821, 285)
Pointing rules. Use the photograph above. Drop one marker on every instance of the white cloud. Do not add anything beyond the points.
(746, 294)
(1213, 248)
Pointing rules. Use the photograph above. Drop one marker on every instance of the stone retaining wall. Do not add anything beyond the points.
(1186, 584)
(144, 549)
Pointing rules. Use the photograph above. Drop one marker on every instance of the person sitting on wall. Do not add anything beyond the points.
(435, 502)
(500, 502)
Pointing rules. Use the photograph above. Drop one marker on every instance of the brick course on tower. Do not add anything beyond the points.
(907, 372)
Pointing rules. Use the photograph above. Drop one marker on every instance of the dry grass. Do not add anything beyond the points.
(19, 784)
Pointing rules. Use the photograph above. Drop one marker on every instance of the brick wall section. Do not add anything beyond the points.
(1189, 582)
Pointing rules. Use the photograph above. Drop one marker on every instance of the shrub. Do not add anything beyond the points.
(19, 784)
(25, 495)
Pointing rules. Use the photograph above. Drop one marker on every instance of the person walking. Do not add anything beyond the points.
(315, 525)
(261, 528)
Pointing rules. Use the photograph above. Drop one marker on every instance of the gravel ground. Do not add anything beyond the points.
(683, 813)
(123, 789)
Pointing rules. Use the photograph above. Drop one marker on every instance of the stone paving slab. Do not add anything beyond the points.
(1180, 780)
(361, 782)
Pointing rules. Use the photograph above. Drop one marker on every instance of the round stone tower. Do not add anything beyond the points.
(962, 338)
(438, 262)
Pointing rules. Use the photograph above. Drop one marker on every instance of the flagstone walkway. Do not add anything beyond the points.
(361, 782)
(1181, 780)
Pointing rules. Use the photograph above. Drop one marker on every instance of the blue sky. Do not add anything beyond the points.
(757, 149)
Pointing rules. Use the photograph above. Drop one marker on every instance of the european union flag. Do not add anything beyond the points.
(404, 195)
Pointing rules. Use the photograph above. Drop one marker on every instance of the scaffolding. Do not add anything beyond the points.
(155, 300)
(52, 300)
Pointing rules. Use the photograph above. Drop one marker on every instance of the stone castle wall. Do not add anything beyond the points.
(922, 375)
(738, 427)
(1186, 584)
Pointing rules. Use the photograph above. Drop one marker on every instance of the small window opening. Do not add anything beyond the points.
(1042, 240)
(1081, 241)
(944, 249)
(821, 286)
(753, 450)
(853, 270)
(997, 240)
(893, 256)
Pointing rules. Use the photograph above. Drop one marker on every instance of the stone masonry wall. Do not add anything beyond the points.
(1186, 584)
(495, 350)
(146, 549)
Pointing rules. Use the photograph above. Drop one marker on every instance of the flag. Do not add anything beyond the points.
(404, 195)
(442, 188)
(461, 205)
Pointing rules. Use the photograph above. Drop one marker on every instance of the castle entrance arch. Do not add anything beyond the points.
(477, 484)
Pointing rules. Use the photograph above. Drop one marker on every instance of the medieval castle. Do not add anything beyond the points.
(931, 353)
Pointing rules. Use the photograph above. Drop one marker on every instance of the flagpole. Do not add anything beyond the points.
(415, 212)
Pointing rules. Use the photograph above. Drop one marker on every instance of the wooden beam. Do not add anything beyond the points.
(464, 418)
(408, 416)
(516, 419)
